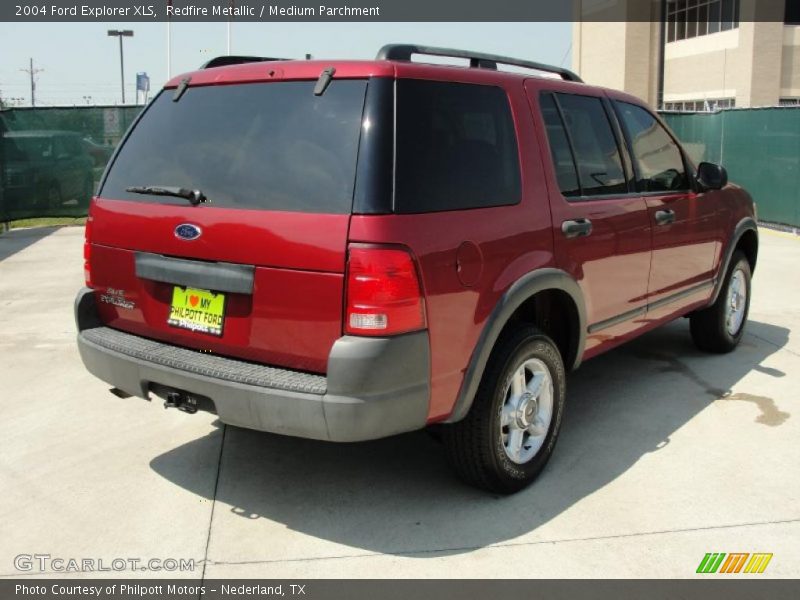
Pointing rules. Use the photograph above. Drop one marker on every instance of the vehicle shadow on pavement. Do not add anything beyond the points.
(17, 240)
(398, 496)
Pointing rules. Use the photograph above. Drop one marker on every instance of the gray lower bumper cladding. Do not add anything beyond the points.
(374, 388)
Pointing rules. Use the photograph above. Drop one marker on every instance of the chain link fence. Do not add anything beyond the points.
(51, 159)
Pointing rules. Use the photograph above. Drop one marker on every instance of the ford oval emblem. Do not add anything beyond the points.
(187, 231)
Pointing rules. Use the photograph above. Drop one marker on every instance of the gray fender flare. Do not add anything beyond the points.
(743, 226)
(524, 288)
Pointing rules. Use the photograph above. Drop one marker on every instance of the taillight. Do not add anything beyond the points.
(87, 252)
(383, 292)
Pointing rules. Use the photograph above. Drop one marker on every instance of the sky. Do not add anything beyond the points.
(81, 63)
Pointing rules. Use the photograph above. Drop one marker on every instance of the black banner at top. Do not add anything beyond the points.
(359, 10)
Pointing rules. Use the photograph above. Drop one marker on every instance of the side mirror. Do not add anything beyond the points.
(711, 176)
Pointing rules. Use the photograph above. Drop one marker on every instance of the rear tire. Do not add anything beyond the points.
(720, 327)
(509, 434)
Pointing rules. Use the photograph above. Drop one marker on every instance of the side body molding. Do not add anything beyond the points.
(746, 224)
(523, 289)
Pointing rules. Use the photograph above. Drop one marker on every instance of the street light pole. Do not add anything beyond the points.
(120, 33)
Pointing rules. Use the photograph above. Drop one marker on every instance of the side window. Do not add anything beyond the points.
(658, 159)
(66, 147)
(74, 146)
(596, 153)
(566, 175)
(455, 147)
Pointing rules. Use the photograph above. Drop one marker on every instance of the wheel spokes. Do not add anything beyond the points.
(518, 382)
(514, 443)
(507, 415)
(536, 384)
(527, 410)
(538, 427)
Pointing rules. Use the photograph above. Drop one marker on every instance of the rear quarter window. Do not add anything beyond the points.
(456, 147)
(271, 146)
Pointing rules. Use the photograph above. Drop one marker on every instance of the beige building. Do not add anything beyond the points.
(692, 54)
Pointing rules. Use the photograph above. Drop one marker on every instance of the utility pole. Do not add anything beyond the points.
(121, 33)
(32, 72)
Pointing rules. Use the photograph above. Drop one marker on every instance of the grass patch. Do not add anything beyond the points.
(47, 222)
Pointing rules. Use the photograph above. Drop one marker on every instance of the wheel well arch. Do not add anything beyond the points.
(554, 312)
(744, 238)
(548, 298)
(748, 244)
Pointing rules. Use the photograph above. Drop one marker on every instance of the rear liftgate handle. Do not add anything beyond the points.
(576, 228)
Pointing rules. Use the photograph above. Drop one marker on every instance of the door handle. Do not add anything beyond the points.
(665, 217)
(576, 228)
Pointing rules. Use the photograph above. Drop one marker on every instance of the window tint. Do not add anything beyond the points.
(657, 157)
(70, 145)
(455, 147)
(596, 153)
(272, 146)
(566, 175)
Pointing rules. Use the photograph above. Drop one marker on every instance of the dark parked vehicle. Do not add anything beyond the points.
(100, 153)
(45, 169)
(348, 250)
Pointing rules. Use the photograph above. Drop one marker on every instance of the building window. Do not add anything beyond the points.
(789, 102)
(792, 14)
(692, 18)
(708, 105)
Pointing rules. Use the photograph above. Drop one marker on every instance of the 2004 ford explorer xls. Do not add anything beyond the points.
(348, 250)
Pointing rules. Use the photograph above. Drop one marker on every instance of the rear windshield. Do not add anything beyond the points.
(271, 146)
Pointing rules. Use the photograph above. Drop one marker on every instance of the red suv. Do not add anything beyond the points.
(348, 250)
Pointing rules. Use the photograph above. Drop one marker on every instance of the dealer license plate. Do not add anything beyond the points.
(197, 310)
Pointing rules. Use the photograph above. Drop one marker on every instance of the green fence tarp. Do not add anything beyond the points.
(759, 147)
(51, 159)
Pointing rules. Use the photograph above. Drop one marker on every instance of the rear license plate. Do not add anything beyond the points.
(197, 310)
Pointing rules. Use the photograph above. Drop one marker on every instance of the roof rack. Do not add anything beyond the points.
(224, 61)
(476, 59)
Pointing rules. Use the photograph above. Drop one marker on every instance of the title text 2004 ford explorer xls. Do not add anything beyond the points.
(348, 250)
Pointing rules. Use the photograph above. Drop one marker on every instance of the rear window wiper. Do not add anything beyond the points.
(194, 196)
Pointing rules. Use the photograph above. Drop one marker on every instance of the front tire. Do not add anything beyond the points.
(720, 327)
(509, 434)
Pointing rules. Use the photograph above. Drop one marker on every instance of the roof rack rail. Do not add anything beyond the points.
(476, 59)
(224, 61)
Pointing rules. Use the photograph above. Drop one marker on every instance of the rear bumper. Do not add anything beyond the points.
(374, 388)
